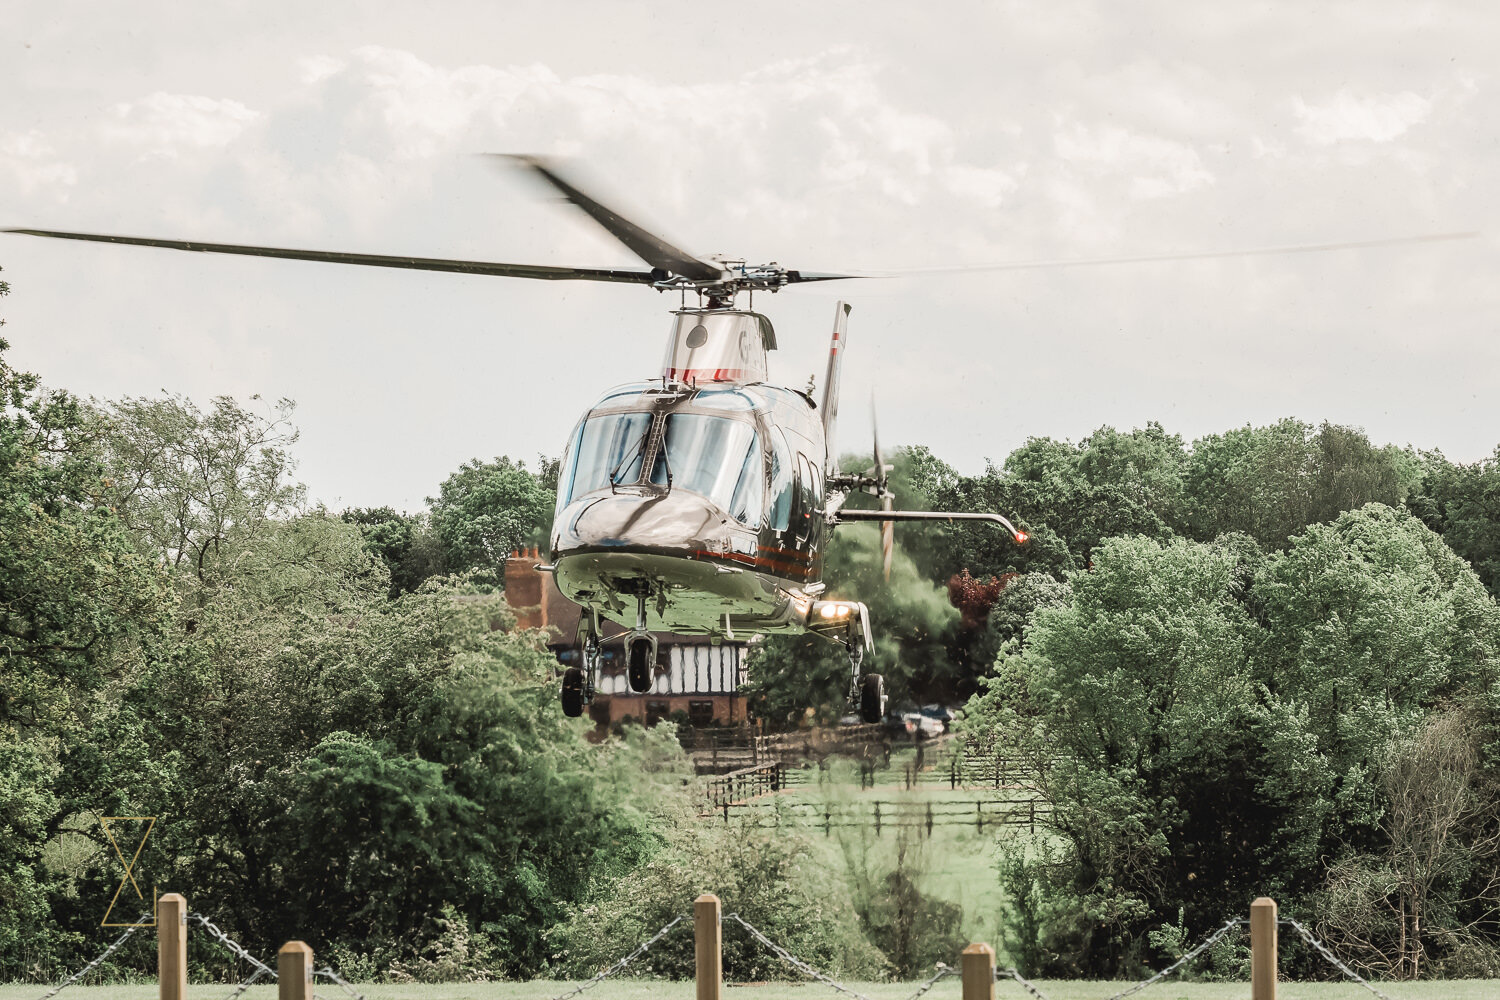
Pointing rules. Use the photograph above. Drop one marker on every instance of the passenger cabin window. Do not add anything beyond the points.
(717, 458)
(807, 500)
(781, 482)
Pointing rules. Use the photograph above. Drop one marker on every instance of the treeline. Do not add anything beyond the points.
(1265, 663)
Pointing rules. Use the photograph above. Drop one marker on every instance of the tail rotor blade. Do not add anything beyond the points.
(887, 536)
(879, 472)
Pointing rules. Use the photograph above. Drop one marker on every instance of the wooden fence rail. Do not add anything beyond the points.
(881, 814)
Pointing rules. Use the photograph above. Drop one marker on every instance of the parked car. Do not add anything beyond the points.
(928, 727)
(913, 725)
(945, 714)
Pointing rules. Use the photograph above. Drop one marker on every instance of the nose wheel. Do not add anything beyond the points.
(866, 691)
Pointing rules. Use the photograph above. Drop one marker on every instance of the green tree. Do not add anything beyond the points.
(188, 481)
(1271, 482)
(73, 593)
(1069, 498)
(405, 543)
(487, 510)
(1369, 622)
(1462, 503)
(1211, 724)
(79, 611)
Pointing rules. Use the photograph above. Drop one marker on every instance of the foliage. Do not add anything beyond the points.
(1462, 502)
(487, 510)
(770, 879)
(1271, 482)
(795, 676)
(358, 763)
(78, 607)
(405, 543)
(72, 593)
(1209, 723)
(1069, 498)
(187, 482)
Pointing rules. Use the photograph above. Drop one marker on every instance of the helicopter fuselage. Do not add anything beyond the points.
(706, 499)
(698, 496)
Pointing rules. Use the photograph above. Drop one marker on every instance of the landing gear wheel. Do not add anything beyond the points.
(872, 698)
(572, 692)
(639, 669)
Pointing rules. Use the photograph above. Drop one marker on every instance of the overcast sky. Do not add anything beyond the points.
(825, 136)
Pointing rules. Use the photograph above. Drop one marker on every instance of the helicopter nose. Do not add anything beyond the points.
(669, 521)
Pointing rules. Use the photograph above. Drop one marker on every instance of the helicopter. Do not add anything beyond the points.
(701, 500)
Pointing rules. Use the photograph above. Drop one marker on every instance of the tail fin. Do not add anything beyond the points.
(831, 383)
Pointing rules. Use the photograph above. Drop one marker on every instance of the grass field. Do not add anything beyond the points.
(638, 989)
(956, 864)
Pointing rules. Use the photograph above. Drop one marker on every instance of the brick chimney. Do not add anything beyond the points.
(525, 590)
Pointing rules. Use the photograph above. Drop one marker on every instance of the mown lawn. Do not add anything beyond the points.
(638, 989)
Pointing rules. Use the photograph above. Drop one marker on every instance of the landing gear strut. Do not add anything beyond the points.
(640, 651)
(578, 682)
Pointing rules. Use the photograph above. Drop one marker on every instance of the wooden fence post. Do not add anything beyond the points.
(294, 972)
(1263, 949)
(171, 946)
(979, 972)
(709, 942)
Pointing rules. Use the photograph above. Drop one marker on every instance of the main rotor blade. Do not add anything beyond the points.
(796, 277)
(1024, 265)
(648, 247)
(542, 271)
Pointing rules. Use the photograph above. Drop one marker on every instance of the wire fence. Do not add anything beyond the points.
(260, 970)
(620, 966)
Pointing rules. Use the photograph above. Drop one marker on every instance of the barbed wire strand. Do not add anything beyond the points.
(791, 959)
(245, 984)
(115, 946)
(639, 951)
(1204, 945)
(1025, 985)
(943, 972)
(1333, 959)
(232, 945)
(327, 973)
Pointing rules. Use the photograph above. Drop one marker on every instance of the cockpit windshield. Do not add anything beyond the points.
(715, 457)
(609, 452)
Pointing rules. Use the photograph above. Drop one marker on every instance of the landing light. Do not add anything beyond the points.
(828, 611)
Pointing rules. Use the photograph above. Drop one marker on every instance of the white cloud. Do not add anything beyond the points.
(164, 125)
(1371, 118)
(318, 68)
(982, 185)
(1155, 167)
(33, 163)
